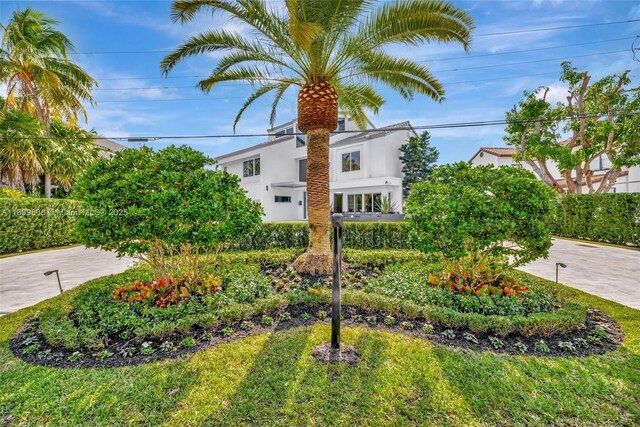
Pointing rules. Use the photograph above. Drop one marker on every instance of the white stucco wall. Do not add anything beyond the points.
(380, 170)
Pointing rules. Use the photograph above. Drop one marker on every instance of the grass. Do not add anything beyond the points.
(35, 251)
(273, 380)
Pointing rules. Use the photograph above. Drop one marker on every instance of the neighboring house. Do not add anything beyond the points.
(364, 168)
(628, 181)
(108, 147)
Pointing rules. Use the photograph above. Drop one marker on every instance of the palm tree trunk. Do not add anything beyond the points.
(47, 185)
(317, 260)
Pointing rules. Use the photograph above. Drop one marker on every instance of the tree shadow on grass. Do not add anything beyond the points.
(287, 386)
(501, 389)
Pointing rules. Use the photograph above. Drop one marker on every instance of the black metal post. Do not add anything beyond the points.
(559, 264)
(48, 273)
(336, 222)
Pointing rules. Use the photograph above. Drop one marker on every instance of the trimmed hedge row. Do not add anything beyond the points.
(28, 223)
(32, 223)
(356, 235)
(612, 218)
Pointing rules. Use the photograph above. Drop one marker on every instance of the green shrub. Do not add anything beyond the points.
(613, 218)
(356, 235)
(150, 204)
(467, 210)
(29, 223)
(10, 193)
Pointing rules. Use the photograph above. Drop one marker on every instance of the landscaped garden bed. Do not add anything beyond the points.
(122, 322)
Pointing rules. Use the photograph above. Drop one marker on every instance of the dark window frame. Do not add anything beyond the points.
(351, 165)
(251, 167)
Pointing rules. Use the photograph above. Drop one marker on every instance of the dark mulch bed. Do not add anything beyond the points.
(33, 348)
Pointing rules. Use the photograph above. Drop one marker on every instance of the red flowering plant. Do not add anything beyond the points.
(475, 274)
(165, 292)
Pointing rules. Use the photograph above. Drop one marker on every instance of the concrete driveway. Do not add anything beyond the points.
(608, 272)
(22, 282)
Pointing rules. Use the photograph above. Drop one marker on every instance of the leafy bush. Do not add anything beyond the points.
(10, 193)
(413, 285)
(163, 293)
(28, 223)
(153, 204)
(613, 218)
(464, 210)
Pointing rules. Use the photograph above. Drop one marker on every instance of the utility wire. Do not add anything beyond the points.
(138, 52)
(565, 27)
(365, 131)
(244, 84)
(436, 71)
(501, 33)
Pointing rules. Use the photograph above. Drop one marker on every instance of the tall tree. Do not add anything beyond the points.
(23, 148)
(36, 69)
(333, 51)
(39, 76)
(418, 159)
(599, 119)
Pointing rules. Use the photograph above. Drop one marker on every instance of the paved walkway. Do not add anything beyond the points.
(608, 272)
(22, 282)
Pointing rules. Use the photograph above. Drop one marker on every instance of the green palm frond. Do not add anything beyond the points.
(343, 41)
(39, 76)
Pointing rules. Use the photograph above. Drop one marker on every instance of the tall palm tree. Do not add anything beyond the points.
(21, 148)
(39, 77)
(37, 71)
(334, 51)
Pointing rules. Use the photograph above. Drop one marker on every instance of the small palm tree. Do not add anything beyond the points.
(75, 150)
(334, 52)
(22, 145)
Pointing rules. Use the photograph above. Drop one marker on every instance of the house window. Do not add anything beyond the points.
(601, 163)
(351, 161)
(301, 140)
(341, 126)
(373, 202)
(283, 132)
(283, 199)
(302, 170)
(354, 203)
(251, 167)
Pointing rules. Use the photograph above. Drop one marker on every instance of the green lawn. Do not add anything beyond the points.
(273, 380)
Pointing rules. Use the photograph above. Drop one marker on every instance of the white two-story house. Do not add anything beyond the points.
(364, 168)
(628, 181)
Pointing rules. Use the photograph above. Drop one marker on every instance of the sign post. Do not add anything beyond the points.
(336, 222)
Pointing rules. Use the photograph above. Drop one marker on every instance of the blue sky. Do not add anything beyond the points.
(134, 100)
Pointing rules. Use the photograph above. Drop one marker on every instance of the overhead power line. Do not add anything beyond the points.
(244, 84)
(497, 122)
(436, 71)
(499, 33)
(564, 27)
(138, 52)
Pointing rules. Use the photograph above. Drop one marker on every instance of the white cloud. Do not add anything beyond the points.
(557, 93)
